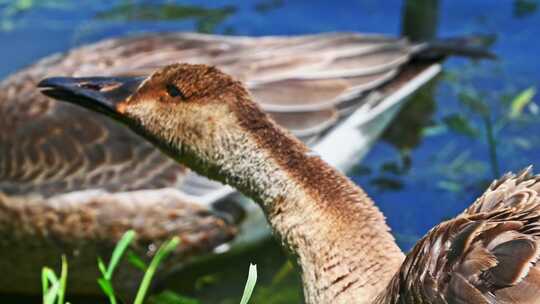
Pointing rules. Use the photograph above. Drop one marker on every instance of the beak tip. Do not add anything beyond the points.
(51, 82)
(44, 83)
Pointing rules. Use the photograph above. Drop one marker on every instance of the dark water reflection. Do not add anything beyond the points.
(460, 131)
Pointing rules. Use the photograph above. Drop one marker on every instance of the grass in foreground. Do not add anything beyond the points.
(54, 287)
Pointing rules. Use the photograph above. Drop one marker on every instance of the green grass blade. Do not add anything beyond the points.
(124, 242)
(163, 251)
(520, 101)
(107, 272)
(50, 296)
(50, 292)
(44, 283)
(136, 261)
(63, 281)
(108, 290)
(170, 297)
(250, 284)
(102, 267)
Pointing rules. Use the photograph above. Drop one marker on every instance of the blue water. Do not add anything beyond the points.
(437, 169)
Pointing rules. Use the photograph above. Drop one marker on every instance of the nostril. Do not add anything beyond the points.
(101, 87)
(90, 86)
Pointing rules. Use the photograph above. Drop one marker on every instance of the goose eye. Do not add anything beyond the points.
(174, 91)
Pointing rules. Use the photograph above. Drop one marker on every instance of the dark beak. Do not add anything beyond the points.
(101, 94)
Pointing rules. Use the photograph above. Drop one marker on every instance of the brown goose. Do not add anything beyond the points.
(208, 121)
(72, 181)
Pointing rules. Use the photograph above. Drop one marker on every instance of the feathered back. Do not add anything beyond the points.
(488, 254)
(48, 147)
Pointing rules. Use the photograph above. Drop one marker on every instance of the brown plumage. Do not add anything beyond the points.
(43, 156)
(487, 254)
(71, 181)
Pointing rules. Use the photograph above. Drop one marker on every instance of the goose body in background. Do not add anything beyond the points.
(487, 254)
(72, 181)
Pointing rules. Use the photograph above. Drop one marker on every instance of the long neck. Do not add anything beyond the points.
(343, 245)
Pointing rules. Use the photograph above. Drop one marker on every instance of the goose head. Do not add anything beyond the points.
(190, 111)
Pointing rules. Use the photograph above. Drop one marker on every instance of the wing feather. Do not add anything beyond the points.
(488, 254)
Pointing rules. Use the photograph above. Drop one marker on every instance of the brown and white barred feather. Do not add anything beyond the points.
(488, 254)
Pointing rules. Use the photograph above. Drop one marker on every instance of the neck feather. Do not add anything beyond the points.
(343, 245)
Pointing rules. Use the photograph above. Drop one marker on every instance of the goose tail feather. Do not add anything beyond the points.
(472, 46)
